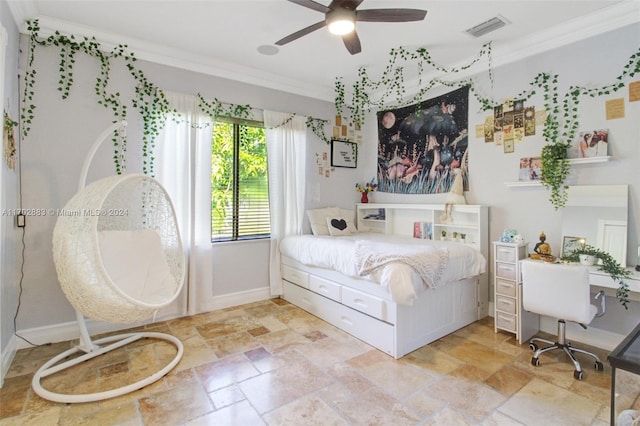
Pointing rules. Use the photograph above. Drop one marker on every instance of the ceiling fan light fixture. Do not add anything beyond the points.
(341, 21)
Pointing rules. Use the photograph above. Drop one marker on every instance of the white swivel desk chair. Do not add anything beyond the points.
(561, 291)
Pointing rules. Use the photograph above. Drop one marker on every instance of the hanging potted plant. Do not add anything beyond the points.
(607, 264)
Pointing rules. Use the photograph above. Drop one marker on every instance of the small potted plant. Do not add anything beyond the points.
(443, 235)
(463, 237)
(455, 236)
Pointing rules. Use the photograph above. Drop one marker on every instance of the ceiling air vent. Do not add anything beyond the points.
(488, 26)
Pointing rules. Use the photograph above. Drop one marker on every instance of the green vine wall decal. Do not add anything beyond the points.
(561, 123)
(148, 99)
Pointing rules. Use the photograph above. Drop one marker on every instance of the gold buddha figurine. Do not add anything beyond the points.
(542, 249)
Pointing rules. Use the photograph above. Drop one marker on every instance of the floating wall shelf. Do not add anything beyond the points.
(572, 161)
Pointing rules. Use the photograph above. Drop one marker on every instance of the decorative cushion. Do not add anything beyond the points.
(136, 263)
(350, 217)
(337, 226)
(318, 219)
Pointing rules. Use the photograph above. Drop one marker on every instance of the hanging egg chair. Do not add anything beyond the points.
(119, 259)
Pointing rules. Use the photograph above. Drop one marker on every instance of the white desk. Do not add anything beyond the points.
(601, 280)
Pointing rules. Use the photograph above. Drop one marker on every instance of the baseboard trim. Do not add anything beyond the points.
(234, 299)
(69, 330)
(7, 358)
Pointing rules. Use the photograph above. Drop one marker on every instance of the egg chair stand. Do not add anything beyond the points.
(119, 259)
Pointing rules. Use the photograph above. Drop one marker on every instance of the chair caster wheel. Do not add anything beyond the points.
(535, 361)
(599, 366)
(577, 375)
(533, 347)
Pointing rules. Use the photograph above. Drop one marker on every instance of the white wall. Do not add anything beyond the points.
(591, 63)
(9, 234)
(62, 132)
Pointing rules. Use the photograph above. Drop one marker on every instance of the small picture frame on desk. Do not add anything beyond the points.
(571, 244)
(344, 154)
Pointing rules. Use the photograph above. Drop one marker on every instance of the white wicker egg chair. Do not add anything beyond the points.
(119, 259)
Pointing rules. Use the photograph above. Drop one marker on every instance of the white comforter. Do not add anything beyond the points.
(370, 256)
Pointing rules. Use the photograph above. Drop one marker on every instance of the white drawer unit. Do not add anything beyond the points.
(295, 276)
(363, 302)
(509, 314)
(325, 288)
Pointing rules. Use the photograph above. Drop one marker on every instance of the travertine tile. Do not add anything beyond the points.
(175, 406)
(457, 393)
(549, 404)
(309, 411)
(278, 387)
(269, 362)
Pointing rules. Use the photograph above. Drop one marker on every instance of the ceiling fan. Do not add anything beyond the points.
(341, 17)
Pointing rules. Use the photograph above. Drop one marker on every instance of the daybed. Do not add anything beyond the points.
(395, 301)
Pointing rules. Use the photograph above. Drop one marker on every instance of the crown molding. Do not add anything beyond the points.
(618, 15)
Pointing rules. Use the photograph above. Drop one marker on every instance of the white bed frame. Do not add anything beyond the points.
(366, 310)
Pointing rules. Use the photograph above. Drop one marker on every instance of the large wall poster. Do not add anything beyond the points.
(419, 146)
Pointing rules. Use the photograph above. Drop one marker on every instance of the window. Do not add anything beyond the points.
(239, 181)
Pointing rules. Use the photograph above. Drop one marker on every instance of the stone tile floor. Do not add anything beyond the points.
(272, 363)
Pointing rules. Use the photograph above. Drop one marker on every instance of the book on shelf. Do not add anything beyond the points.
(423, 230)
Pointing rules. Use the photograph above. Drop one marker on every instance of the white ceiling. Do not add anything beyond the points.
(221, 37)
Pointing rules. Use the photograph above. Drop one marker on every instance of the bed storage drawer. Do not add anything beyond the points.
(506, 321)
(506, 270)
(508, 288)
(374, 332)
(363, 302)
(324, 287)
(295, 276)
(506, 304)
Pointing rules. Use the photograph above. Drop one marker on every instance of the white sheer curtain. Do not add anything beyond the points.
(183, 167)
(286, 155)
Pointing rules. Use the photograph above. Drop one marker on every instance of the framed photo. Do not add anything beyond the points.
(589, 144)
(571, 244)
(530, 168)
(344, 154)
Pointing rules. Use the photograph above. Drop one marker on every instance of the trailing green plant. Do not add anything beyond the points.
(609, 265)
(561, 123)
(148, 99)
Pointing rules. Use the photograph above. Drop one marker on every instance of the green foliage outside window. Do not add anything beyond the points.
(239, 182)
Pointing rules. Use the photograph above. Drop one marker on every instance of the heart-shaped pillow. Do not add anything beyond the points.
(340, 224)
(337, 226)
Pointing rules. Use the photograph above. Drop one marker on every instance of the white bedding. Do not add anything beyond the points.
(403, 281)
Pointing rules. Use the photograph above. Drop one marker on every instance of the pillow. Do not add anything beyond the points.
(318, 219)
(337, 226)
(350, 217)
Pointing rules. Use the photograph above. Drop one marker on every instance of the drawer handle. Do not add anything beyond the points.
(346, 320)
(360, 302)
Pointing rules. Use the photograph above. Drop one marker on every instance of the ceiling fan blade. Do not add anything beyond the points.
(312, 5)
(345, 4)
(352, 42)
(390, 15)
(302, 32)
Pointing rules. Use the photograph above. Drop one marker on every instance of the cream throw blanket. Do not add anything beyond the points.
(429, 262)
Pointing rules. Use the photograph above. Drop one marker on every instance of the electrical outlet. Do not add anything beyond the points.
(21, 220)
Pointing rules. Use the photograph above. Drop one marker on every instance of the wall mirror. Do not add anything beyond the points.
(598, 213)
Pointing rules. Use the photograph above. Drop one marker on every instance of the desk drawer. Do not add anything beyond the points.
(506, 304)
(506, 322)
(324, 287)
(295, 276)
(363, 302)
(505, 254)
(507, 288)
(506, 270)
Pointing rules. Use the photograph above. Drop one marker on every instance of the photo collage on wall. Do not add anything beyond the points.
(422, 147)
